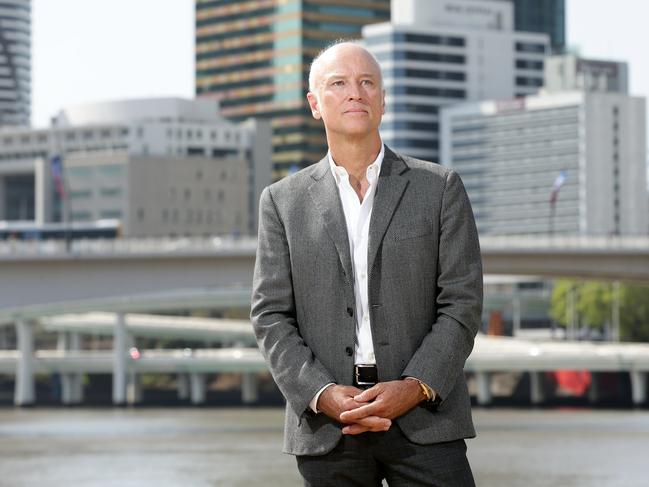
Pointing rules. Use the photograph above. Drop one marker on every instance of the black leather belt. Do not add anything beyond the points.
(365, 375)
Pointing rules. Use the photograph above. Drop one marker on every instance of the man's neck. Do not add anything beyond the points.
(355, 154)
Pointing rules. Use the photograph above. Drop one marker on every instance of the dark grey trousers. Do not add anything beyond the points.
(365, 460)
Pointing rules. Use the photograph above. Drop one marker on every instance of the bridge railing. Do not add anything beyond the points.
(130, 246)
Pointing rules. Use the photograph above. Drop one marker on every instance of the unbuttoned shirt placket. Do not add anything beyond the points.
(357, 216)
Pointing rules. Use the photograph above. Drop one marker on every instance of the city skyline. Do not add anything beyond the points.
(91, 68)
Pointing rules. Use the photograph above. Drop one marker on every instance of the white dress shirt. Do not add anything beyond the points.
(357, 216)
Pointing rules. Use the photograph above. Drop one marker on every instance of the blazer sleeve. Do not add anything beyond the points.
(441, 356)
(295, 369)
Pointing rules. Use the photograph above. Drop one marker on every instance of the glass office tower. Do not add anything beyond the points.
(254, 57)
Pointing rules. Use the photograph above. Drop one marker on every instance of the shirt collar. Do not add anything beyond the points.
(372, 172)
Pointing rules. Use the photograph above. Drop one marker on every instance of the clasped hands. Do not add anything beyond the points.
(372, 409)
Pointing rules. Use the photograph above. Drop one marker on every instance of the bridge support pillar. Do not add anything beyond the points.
(516, 314)
(71, 389)
(133, 389)
(4, 341)
(593, 390)
(249, 387)
(537, 391)
(484, 388)
(638, 387)
(71, 383)
(182, 382)
(197, 387)
(119, 360)
(24, 392)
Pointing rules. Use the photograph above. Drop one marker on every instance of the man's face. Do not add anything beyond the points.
(349, 96)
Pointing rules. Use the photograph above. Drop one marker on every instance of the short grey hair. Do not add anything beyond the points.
(316, 61)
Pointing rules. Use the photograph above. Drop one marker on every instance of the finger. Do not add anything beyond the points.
(353, 415)
(355, 429)
(368, 394)
(373, 424)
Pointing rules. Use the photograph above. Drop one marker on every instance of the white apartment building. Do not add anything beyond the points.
(509, 154)
(120, 157)
(436, 53)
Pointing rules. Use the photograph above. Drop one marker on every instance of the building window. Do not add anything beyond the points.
(111, 170)
(110, 192)
(165, 215)
(81, 216)
(80, 194)
(140, 214)
(80, 172)
(187, 194)
(111, 214)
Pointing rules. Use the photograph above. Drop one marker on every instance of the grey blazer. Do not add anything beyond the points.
(424, 290)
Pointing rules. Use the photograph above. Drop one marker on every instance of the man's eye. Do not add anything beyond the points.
(338, 83)
(367, 82)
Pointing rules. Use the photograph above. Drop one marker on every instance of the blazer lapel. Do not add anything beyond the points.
(327, 200)
(388, 194)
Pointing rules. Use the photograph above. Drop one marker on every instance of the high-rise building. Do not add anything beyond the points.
(569, 72)
(442, 52)
(254, 57)
(588, 146)
(547, 16)
(15, 62)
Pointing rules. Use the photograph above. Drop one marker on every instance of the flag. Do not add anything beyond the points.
(561, 178)
(57, 175)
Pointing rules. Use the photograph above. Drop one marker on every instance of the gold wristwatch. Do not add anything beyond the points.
(426, 391)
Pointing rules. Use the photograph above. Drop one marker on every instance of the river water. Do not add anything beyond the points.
(241, 447)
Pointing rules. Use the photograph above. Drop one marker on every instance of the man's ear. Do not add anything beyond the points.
(313, 104)
(383, 103)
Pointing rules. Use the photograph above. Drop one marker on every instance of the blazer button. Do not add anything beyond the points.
(350, 312)
(349, 351)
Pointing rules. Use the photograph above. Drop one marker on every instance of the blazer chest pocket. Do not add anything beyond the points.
(415, 229)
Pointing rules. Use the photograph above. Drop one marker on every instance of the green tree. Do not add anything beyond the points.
(594, 306)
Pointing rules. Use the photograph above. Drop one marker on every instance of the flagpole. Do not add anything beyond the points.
(66, 210)
(552, 210)
(561, 178)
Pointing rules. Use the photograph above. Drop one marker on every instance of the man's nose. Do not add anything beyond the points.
(354, 91)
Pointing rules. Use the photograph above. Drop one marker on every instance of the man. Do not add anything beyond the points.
(367, 296)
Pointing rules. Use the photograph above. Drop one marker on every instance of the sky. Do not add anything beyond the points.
(98, 50)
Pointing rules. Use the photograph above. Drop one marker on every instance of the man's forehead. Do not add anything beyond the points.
(337, 73)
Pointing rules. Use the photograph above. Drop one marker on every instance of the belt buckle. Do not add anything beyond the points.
(357, 370)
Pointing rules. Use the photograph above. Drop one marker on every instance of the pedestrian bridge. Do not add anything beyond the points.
(126, 275)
